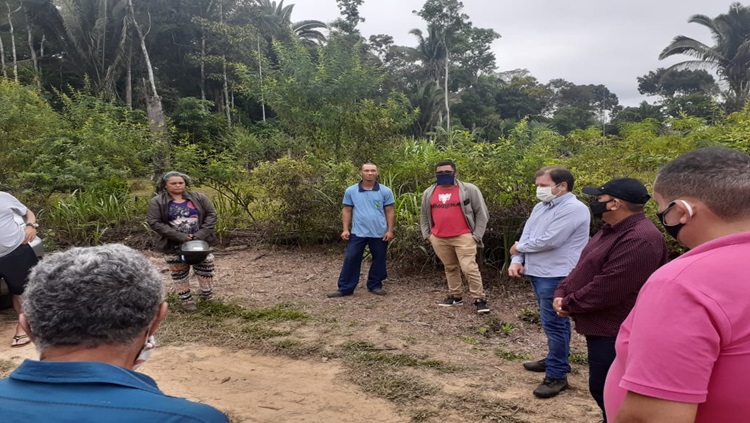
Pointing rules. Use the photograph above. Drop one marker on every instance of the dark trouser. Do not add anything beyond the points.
(15, 268)
(355, 247)
(601, 350)
(555, 327)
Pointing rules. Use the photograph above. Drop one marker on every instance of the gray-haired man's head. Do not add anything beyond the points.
(92, 296)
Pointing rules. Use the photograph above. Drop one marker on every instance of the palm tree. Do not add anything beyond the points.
(275, 21)
(729, 56)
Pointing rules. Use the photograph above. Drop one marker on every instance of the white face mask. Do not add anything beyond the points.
(545, 194)
(145, 352)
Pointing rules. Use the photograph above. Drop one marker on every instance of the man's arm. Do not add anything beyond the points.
(642, 409)
(424, 214)
(30, 231)
(346, 222)
(628, 266)
(390, 220)
(481, 215)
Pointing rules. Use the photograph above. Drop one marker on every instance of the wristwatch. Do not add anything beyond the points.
(33, 225)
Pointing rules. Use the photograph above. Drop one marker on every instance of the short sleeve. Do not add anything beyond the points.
(388, 199)
(675, 340)
(348, 198)
(13, 204)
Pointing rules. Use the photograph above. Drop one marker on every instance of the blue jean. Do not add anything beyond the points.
(355, 248)
(601, 350)
(555, 327)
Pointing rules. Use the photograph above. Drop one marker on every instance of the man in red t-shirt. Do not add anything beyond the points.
(454, 218)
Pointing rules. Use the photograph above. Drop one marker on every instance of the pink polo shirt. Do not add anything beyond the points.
(688, 337)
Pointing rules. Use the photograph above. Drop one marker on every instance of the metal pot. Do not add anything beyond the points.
(194, 252)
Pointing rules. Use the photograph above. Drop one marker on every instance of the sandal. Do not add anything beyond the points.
(20, 341)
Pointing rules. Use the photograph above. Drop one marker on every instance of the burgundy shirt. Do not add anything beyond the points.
(601, 290)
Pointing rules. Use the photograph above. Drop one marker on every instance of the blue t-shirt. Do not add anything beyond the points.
(368, 209)
(82, 392)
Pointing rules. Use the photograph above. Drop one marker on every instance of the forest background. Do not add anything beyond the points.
(273, 116)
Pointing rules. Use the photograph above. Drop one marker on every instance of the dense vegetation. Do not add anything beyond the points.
(273, 116)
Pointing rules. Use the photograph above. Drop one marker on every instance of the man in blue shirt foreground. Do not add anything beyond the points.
(92, 313)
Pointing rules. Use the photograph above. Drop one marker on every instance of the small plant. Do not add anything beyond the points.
(470, 340)
(512, 355)
(578, 357)
(507, 328)
(530, 315)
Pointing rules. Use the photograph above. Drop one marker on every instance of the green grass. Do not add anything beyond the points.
(366, 354)
(512, 355)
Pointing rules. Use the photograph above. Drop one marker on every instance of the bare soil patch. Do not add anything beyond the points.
(362, 358)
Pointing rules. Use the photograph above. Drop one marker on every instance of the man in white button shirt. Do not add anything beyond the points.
(17, 228)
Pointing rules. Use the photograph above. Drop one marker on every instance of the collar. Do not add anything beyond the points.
(560, 200)
(82, 372)
(376, 187)
(624, 224)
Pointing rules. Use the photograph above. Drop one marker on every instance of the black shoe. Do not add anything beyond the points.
(536, 366)
(336, 294)
(379, 291)
(481, 306)
(451, 301)
(551, 387)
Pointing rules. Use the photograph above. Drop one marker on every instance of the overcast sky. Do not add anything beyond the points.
(583, 41)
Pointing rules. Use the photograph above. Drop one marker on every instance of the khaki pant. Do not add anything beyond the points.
(459, 254)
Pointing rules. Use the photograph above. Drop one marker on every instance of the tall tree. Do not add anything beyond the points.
(456, 43)
(729, 56)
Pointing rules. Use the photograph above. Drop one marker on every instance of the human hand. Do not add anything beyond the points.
(29, 234)
(345, 235)
(515, 270)
(513, 249)
(557, 306)
(388, 236)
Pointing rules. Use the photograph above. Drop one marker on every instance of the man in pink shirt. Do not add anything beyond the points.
(683, 353)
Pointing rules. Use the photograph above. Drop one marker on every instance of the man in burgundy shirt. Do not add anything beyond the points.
(601, 290)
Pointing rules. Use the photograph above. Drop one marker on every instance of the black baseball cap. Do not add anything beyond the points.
(628, 189)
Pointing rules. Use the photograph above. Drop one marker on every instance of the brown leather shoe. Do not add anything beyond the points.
(379, 291)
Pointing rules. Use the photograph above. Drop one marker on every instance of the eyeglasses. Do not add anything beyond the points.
(662, 215)
(444, 172)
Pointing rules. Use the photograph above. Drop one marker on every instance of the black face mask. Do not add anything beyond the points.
(598, 208)
(672, 230)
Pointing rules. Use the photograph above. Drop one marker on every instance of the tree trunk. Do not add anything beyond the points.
(154, 107)
(34, 60)
(129, 77)
(227, 106)
(13, 40)
(447, 100)
(2, 58)
(203, 65)
(260, 72)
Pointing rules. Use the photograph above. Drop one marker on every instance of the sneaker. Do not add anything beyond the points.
(536, 366)
(551, 387)
(378, 291)
(481, 306)
(451, 301)
(336, 294)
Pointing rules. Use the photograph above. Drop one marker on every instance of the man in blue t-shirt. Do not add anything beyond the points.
(92, 313)
(368, 209)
